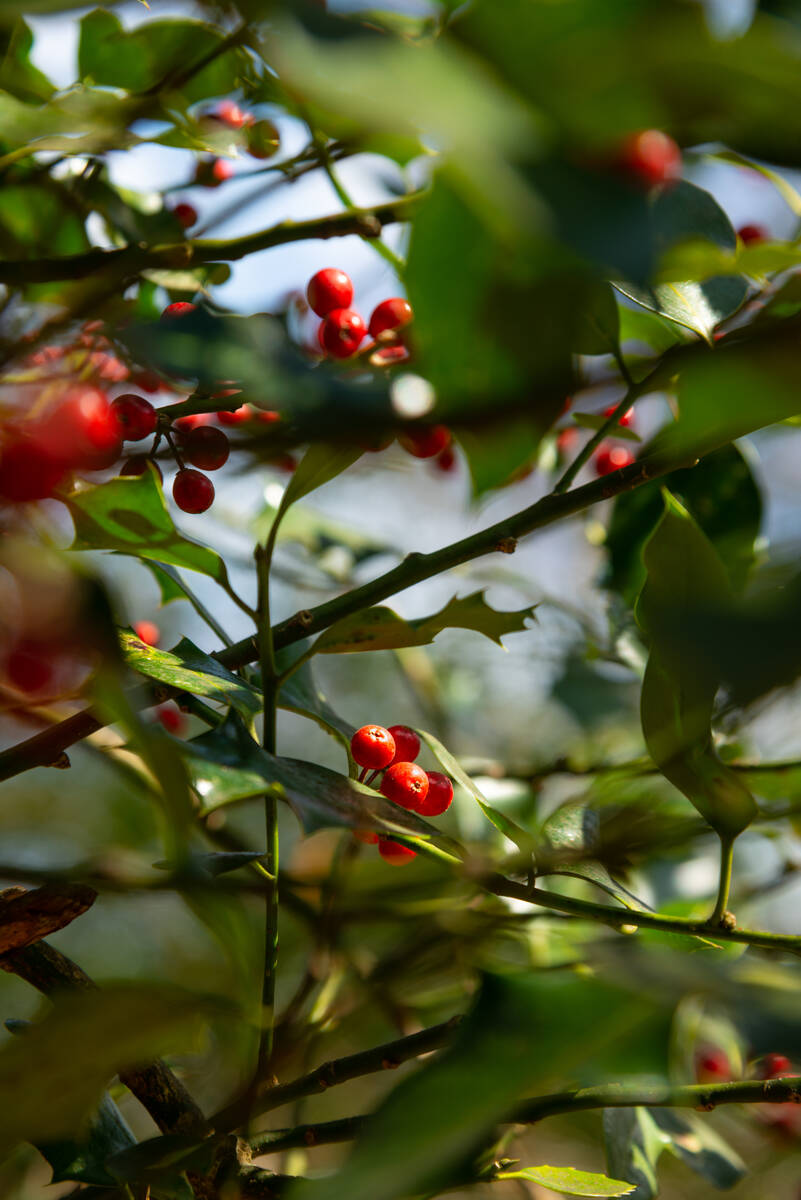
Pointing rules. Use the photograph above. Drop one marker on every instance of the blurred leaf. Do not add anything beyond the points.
(696, 1143)
(319, 465)
(84, 1161)
(18, 75)
(633, 1143)
(316, 532)
(598, 326)
(52, 1078)
(570, 1182)
(684, 574)
(382, 629)
(300, 694)
(187, 667)
(129, 515)
(37, 220)
(157, 1164)
(720, 493)
(571, 839)
(597, 420)
(497, 450)
(169, 587)
(640, 325)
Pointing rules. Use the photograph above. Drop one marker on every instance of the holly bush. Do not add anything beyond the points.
(330, 339)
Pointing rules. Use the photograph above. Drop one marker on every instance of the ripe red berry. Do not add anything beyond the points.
(625, 420)
(395, 853)
(29, 666)
(407, 743)
(426, 441)
(229, 112)
(651, 157)
(439, 796)
(751, 235)
(181, 308)
(405, 784)
(193, 421)
(147, 632)
(27, 472)
(171, 718)
(390, 315)
(137, 465)
(82, 429)
(192, 492)
(342, 332)
(263, 139)
(237, 417)
(712, 1065)
(329, 289)
(266, 416)
(136, 416)
(773, 1066)
(185, 215)
(212, 172)
(612, 458)
(446, 460)
(206, 447)
(367, 836)
(372, 746)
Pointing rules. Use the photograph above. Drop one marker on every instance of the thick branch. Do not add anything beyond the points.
(28, 916)
(130, 261)
(44, 748)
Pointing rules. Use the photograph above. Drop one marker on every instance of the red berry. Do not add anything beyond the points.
(752, 234)
(405, 784)
(213, 172)
(192, 492)
(193, 421)
(651, 157)
(342, 332)
(446, 460)
(372, 746)
(390, 315)
(137, 465)
(407, 743)
(229, 112)
(266, 416)
(263, 139)
(185, 215)
(426, 441)
(566, 438)
(367, 836)
(711, 1065)
(29, 666)
(181, 308)
(625, 420)
(206, 447)
(136, 416)
(147, 381)
(439, 796)
(329, 289)
(237, 417)
(27, 472)
(171, 718)
(773, 1066)
(612, 458)
(147, 632)
(395, 853)
(82, 429)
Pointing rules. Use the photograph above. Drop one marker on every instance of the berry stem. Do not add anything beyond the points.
(374, 776)
(362, 774)
(724, 885)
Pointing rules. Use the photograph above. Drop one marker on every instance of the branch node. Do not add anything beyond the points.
(369, 226)
(506, 545)
(62, 762)
(728, 920)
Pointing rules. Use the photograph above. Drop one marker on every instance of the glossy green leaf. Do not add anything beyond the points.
(633, 1144)
(382, 629)
(685, 574)
(570, 838)
(188, 668)
(130, 515)
(168, 582)
(697, 306)
(320, 464)
(639, 325)
(570, 1182)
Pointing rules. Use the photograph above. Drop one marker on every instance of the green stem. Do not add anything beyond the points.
(196, 603)
(346, 200)
(724, 886)
(592, 445)
(269, 692)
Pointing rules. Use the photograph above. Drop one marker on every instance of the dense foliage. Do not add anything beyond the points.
(526, 265)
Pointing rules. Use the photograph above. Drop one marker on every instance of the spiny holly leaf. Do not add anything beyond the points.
(570, 1182)
(382, 629)
(129, 514)
(188, 668)
(570, 837)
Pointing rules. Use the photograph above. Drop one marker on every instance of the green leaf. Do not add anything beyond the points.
(496, 451)
(300, 694)
(18, 75)
(382, 629)
(640, 325)
(684, 574)
(321, 463)
(52, 1078)
(168, 582)
(597, 420)
(188, 668)
(570, 837)
(84, 1160)
(598, 324)
(129, 515)
(696, 1143)
(570, 1182)
(523, 840)
(633, 1143)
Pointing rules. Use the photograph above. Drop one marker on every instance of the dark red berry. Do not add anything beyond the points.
(237, 417)
(148, 381)
(426, 441)
(712, 1065)
(263, 139)
(439, 796)
(82, 430)
(136, 416)
(651, 157)
(612, 458)
(625, 420)
(193, 421)
(367, 836)
(395, 853)
(390, 315)
(29, 666)
(773, 1066)
(751, 235)
(446, 460)
(185, 215)
(147, 632)
(372, 746)
(405, 784)
(181, 308)
(192, 492)
(27, 472)
(137, 465)
(329, 289)
(407, 743)
(206, 447)
(212, 172)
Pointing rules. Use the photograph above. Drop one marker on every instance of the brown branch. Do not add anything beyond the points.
(28, 916)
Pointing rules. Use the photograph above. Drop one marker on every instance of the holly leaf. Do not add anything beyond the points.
(84, 1160)
(696, 1143)
(300, 694)
(570, 1182)
(570, 839)
(633, 1144)
(188, 668)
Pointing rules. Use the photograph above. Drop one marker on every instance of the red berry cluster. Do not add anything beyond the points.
(391, 753)
(261, 140)
(609, 456)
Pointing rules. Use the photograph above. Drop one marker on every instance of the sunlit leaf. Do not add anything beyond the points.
(570, 1182)
(188, 668)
